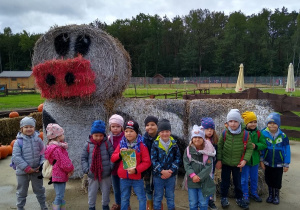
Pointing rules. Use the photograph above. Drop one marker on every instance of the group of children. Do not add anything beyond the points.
(239, 151)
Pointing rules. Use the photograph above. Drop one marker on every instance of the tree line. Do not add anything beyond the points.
(202, 43)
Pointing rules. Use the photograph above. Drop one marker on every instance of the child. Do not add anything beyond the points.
(28, 156)
(132, 177)
(233, 153)
(165, 158)
(276, 158)
(148, 139)
(198, 166)
(210, 134)
(251, 168)
(95, 162)
(57, 155)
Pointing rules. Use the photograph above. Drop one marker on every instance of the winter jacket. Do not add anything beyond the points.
(162, 160)
(148, 141)
(115, 141)
(106, 153)
(30, 155)
(142, 159)
(231, 150)
(63, 164)
(201, 169)
(260, 144)
(278, 152)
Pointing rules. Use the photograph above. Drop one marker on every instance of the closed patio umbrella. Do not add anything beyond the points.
(290, 84)
(240, 81)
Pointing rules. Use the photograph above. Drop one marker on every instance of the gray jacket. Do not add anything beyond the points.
(30, 154)
(86, 158)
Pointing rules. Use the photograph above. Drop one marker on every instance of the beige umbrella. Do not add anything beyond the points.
(240, 81)
(290, 84)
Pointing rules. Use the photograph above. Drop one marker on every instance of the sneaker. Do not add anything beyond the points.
(241, 203)
(255, 197)
(224, 202)
(246, 199)
(211, 205)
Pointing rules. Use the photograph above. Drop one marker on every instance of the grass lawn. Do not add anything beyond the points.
(12, 102)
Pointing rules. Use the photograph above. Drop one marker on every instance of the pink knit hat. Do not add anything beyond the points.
(116, 119)
(53, 131)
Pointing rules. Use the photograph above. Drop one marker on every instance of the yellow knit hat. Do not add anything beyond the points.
(249, 117)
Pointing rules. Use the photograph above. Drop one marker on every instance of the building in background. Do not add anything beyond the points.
(17, 79)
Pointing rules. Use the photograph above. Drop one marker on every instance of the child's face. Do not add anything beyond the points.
(273, 127)
(209, 132)
(252, 125)
(151, 128)
(98, 136)
(115, 128)
(130, 134)
(233, 124)
(165, 135)
(28, 130)
(61, 138)
(198, 142)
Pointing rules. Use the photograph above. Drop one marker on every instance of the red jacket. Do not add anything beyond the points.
(142, 160)
(63, 164)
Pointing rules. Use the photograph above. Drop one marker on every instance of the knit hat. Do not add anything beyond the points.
(150, 119)
(249, 117)
(98, 126)
(117, 119)
(27, 121)
(197, 132)
(207, 122)
(234, 114)
(53, 131)
(163, 125)
(132, 125)
(274, 117)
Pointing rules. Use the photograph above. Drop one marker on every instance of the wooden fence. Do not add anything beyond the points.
(5, 92)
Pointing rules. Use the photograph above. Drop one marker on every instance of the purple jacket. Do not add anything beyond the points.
(63, 163)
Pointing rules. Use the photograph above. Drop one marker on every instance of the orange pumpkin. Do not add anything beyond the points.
(41, 135)
(0, 155)
(40, 107)
(13, 114)
(4, 152)
(12, 143)
(10, 149)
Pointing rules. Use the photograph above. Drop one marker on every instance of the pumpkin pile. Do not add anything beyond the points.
(5, 150)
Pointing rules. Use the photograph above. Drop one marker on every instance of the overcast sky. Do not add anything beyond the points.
(37, 16)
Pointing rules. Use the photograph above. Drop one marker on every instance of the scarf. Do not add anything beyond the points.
(60, 144)
(124, 143)
(165, 144)
(96, 166)
(237, 131)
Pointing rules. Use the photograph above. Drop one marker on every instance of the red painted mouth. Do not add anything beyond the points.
(65, 78)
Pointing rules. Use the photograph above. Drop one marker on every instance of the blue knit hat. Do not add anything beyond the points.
(274, 117)
(207, 122)
(98, 126)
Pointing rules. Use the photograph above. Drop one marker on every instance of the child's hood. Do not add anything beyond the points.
(49, 150)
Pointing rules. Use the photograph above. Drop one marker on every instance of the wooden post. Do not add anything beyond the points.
(176, 95)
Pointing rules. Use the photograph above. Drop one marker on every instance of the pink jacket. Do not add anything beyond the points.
(63, 164)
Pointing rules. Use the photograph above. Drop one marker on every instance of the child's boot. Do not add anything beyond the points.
(276, 196)
(115, 207)
(55, 207)
(105, 207)
(149, 205)
(63, 205)
(270, 198)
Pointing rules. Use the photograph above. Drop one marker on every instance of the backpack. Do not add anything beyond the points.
(20, 142)
(47, 169)
(245, 140)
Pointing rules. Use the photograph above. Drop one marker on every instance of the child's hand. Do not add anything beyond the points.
(285, 169)
(242, 164)
(131, 171)
(253, 146)
(70, 173)
(262, 165)
(123, 149)
(31, 171)
(196, 179)
(219, 165)
(166, 174)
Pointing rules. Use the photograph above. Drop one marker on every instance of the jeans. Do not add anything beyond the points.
(138, 187)
(253, 172)
(161, 187)
(59, 188)
(196, 199)
(225, 184)
(117, 188)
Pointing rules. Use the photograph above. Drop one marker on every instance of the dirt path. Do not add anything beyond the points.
(76, 199)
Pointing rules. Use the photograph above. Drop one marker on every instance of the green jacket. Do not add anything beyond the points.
(231, 150)
(206, 183)
(260, 144)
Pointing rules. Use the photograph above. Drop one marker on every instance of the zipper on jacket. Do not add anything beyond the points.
(273, 158)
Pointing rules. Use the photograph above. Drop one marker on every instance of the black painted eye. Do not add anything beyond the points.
(69, 78)
(82, 45)
(62, 44)
(50, 79)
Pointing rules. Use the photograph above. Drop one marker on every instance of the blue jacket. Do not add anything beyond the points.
(278, 152)
(162, 160)
(148, 141)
